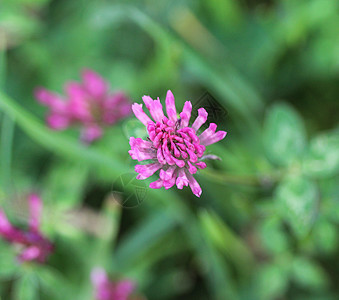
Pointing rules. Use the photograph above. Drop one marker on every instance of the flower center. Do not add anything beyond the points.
(175, 145)
(95, 110)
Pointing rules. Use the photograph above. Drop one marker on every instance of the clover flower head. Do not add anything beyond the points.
(106, 289)
(173, 146)
(88, 104)
(34, 246)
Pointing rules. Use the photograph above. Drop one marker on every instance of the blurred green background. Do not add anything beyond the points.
(266, 225)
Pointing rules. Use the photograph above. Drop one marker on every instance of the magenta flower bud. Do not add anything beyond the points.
(88, 104)
(173, 147)
(35, 247)
(106, 289)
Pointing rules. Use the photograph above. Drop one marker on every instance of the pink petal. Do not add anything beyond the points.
(194, 185)
(193, 156)
(211, 157)
(182, 179)
(57, 121)
(124, 289)
(139, 113)
(192, 169)
(201, 119)
(214, 138)
(80, 111)
(52, 100)
(180, 163)
(99, 277)
(116, 107)
(45, 96)
(91, 133)
(146, 171)
(140, 143)
(30, 253)
(160, 156)
(75, 91)
(156, 184)
(94, 84)
(201, 165)
(171, 160)
(170, 106)
(185, 115)
(169, 183)
(42, 95)
(148, 101)
(208, 132)
(78, 102)
(5, 226)
(156, 110)
(168, 174)
(140, 149)
(9, 232)
(116, 98)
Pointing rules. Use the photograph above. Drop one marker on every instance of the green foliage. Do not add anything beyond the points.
(134, 128)
(266, 225)
(322, 159)
(308, 274)
(284, 135)
(272, 235)
(26, 288)
(272, 281)
(297, 201)
(8, 264)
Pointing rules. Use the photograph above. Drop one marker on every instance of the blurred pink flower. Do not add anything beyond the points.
(88, 103)
(34, 246)
(174, 147)
(105, 289)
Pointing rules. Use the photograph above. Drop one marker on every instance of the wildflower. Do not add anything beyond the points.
(173, 147)
(105, 289)
(88, 104)
(33, 245)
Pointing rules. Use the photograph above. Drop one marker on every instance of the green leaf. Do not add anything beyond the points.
(143, 237)
(135, 128)
(329, 190)
(66, 182)
(273, 236)
(226, 240)
(272, 281)
(26, 287)
(308, 274)
(322, 158)
(17, 24)
(297, 203)
(284, 135)
(227, 13)
(8, 263)
(52, 282)
(325, 236)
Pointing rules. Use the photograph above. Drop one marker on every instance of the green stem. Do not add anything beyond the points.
(233, 89)
(7, 128)
(58, 142)
(2, 62)
(7, 134)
